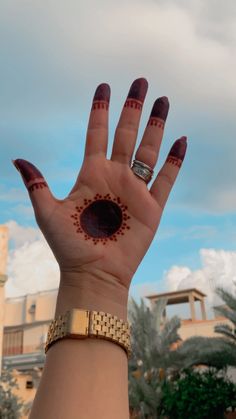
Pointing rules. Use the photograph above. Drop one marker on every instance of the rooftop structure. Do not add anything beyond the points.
(189, 296)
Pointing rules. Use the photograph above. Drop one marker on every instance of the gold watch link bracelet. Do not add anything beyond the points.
(81, 324)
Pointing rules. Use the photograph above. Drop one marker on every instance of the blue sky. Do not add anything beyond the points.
(55, 53)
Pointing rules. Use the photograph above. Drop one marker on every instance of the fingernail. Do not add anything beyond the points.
(103, 92)
(28, 170)
(138, 89)
(160, 108)
(178, 149)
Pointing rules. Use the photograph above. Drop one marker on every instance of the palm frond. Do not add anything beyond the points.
(227, 313)
(158, 311)
(227, 297)
(151, 344)
(169, 333)
(199, 350)
(226, 330)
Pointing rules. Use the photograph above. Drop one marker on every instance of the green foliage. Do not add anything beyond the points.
(212, 352)
(154, 362)
(10, 405)
(152, 357)
(198, 395)
(151, 341)
(228, 311)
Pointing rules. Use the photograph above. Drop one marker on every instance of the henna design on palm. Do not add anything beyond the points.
(101, 219)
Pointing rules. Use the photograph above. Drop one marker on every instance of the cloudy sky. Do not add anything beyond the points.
(54, 54)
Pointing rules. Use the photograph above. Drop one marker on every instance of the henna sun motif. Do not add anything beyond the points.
(101, 219)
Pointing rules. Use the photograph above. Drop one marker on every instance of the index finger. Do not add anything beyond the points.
(97, 133)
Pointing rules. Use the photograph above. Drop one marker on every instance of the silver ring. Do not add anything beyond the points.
(142, 170)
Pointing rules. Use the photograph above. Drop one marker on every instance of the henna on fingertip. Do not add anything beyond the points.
(177, 152)
(101, 97)
(159, 112)
(137, 93)
(32, 177)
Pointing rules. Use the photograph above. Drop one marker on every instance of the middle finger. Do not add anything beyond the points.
(127, 128)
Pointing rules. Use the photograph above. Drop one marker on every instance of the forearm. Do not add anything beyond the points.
(85, 378)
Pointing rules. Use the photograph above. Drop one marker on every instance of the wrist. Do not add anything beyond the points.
(90, 292)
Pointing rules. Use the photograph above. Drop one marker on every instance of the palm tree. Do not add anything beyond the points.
(217, 352)
(151, 338)
(154, 359)
(229, 312)
(11, 405)
(152, 356)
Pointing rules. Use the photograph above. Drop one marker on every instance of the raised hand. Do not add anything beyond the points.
(104, 227)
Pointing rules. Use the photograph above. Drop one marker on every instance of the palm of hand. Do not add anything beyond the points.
(119, 254)
(126, 223)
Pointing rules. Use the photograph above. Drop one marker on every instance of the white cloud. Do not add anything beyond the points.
(139, 291)
(123, 40)
(31, 266)
(218, 270)
(20, 235)
(185, 49)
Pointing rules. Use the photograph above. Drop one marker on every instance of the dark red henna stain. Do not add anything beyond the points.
(138, 89)
(100, 105)
(27, 169)
(30, 173)
(101, 97)
(156, 123)
(177, 152)
(101, 219)
(102, 92)
(137, 94)
(159, 112)
(135, 104)
(39, 185)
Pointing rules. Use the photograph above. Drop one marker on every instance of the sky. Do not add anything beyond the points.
(53, 56)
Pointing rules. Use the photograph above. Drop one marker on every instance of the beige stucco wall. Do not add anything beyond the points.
(3, 278)
(27, 394)
(46, 306)
(3, 248)
(17, 313)
(200, 328)
(14, 312)
(17, 309)
(34, 338)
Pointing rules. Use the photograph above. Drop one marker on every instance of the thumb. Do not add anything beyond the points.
(39, 192)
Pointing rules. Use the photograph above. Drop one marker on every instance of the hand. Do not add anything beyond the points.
(103, 228)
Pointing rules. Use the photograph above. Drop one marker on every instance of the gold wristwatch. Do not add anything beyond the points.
(81, 324)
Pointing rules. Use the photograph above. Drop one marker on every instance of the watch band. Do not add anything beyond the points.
(81, 324)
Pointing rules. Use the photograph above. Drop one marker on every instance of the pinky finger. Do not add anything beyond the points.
(165, 179)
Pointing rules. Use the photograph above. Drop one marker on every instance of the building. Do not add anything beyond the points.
(24, 324)
(192, 326)
(26, 321)
(3, 278)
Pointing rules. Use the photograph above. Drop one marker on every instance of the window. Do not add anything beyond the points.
(32, 308)
(13, 342)
(29, 384)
